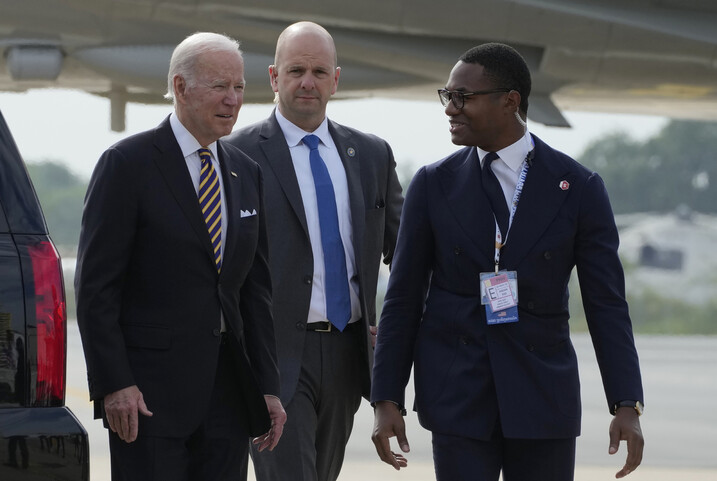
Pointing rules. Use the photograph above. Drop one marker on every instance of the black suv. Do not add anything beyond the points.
(40, 438)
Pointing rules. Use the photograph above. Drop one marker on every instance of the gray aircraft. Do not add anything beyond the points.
(637, 56)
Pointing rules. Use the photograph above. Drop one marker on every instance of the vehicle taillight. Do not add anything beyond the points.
(51, 324)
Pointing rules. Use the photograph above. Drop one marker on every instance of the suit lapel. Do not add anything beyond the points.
(232, 181)
(171, 164)
(461, 186)
(351, 158)
(273, 144)
(539, 203)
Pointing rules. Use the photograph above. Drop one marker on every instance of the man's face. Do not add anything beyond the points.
(209, 108)
(483, 119)
(305, 77)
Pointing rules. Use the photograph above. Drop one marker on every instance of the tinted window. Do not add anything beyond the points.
(17, 196)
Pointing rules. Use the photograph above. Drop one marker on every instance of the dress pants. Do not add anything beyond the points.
(215, 451)
(464, 459)
(320, 414)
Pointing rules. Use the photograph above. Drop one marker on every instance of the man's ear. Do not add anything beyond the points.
(180, 87)
(273, 74)
(337, 73)
(513, 100)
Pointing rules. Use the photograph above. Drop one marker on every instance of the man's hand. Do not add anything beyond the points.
(121, 408)
(625, 426)
(388, 423)
(278, 419)
(373, 330)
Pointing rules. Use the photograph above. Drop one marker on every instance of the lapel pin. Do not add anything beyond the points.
(564, 185)
(351, 151)
(234, 174)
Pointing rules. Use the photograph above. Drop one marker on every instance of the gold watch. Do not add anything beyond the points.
(636, 405)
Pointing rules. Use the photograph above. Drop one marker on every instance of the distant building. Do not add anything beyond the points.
(674, 255)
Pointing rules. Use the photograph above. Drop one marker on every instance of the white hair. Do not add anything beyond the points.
(187, 53)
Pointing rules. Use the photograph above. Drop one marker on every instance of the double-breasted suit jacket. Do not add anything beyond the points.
(375, 204)
(149, 297)
(470, 375)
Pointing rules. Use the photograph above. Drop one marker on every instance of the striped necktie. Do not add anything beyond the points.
(210, 201)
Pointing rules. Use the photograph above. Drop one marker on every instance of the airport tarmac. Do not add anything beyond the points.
(680, 421)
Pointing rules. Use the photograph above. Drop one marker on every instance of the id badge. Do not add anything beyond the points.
(499, 295)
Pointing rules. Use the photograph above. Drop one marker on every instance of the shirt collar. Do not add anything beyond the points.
(294, 134)
(186, 140)
(513, 155)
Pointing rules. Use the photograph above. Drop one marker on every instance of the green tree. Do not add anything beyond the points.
(61, 194)
(676, 167)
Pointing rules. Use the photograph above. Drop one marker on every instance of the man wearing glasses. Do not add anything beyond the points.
(477, 300)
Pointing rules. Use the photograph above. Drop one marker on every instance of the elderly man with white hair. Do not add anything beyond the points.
(173, 285)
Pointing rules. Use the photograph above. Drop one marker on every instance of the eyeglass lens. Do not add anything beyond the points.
(448, 96)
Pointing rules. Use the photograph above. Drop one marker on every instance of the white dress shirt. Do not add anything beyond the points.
(510, 164)
(189, 146)
(300, 158)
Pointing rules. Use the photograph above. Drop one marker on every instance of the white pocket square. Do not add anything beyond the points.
(246, 213)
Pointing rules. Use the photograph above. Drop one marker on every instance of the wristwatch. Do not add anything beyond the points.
(400, 408)
(636, 405)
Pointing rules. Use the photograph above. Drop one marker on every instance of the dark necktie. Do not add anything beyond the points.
(495, 193)
(338, 300)
(210, 201)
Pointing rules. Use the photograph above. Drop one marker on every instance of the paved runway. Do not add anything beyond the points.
(680, 421)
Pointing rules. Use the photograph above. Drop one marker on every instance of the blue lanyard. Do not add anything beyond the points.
(499, 240)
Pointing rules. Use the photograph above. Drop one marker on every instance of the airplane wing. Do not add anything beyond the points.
(638, 56)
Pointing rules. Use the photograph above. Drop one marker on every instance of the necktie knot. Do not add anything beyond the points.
(311, 141)
(205, 155)
(488, 159)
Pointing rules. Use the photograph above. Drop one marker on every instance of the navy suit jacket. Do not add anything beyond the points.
(469, 375)
(149, 296)
(375, 203)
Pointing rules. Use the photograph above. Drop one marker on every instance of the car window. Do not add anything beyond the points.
(17, 196)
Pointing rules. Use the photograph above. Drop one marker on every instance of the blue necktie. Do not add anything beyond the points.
(210, 201)
(338, 300)
(493, 190)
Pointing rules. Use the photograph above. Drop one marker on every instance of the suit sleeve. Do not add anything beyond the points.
(394, 203)
(107, 234)
(256, 311)
(602, 286)
(405, 297)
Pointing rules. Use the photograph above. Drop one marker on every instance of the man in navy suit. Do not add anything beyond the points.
(173, 285)
(477, 301)
(325, 366)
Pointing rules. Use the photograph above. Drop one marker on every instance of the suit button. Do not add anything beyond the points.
(464, 340)
(300, 326)
(531, 305)
(547, 255)
(307, 280)
(216, 332)
(457, 251)
(530, 348)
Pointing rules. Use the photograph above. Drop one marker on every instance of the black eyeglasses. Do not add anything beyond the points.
(459, 98)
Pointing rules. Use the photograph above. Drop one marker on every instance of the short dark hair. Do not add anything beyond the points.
(504, 66)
